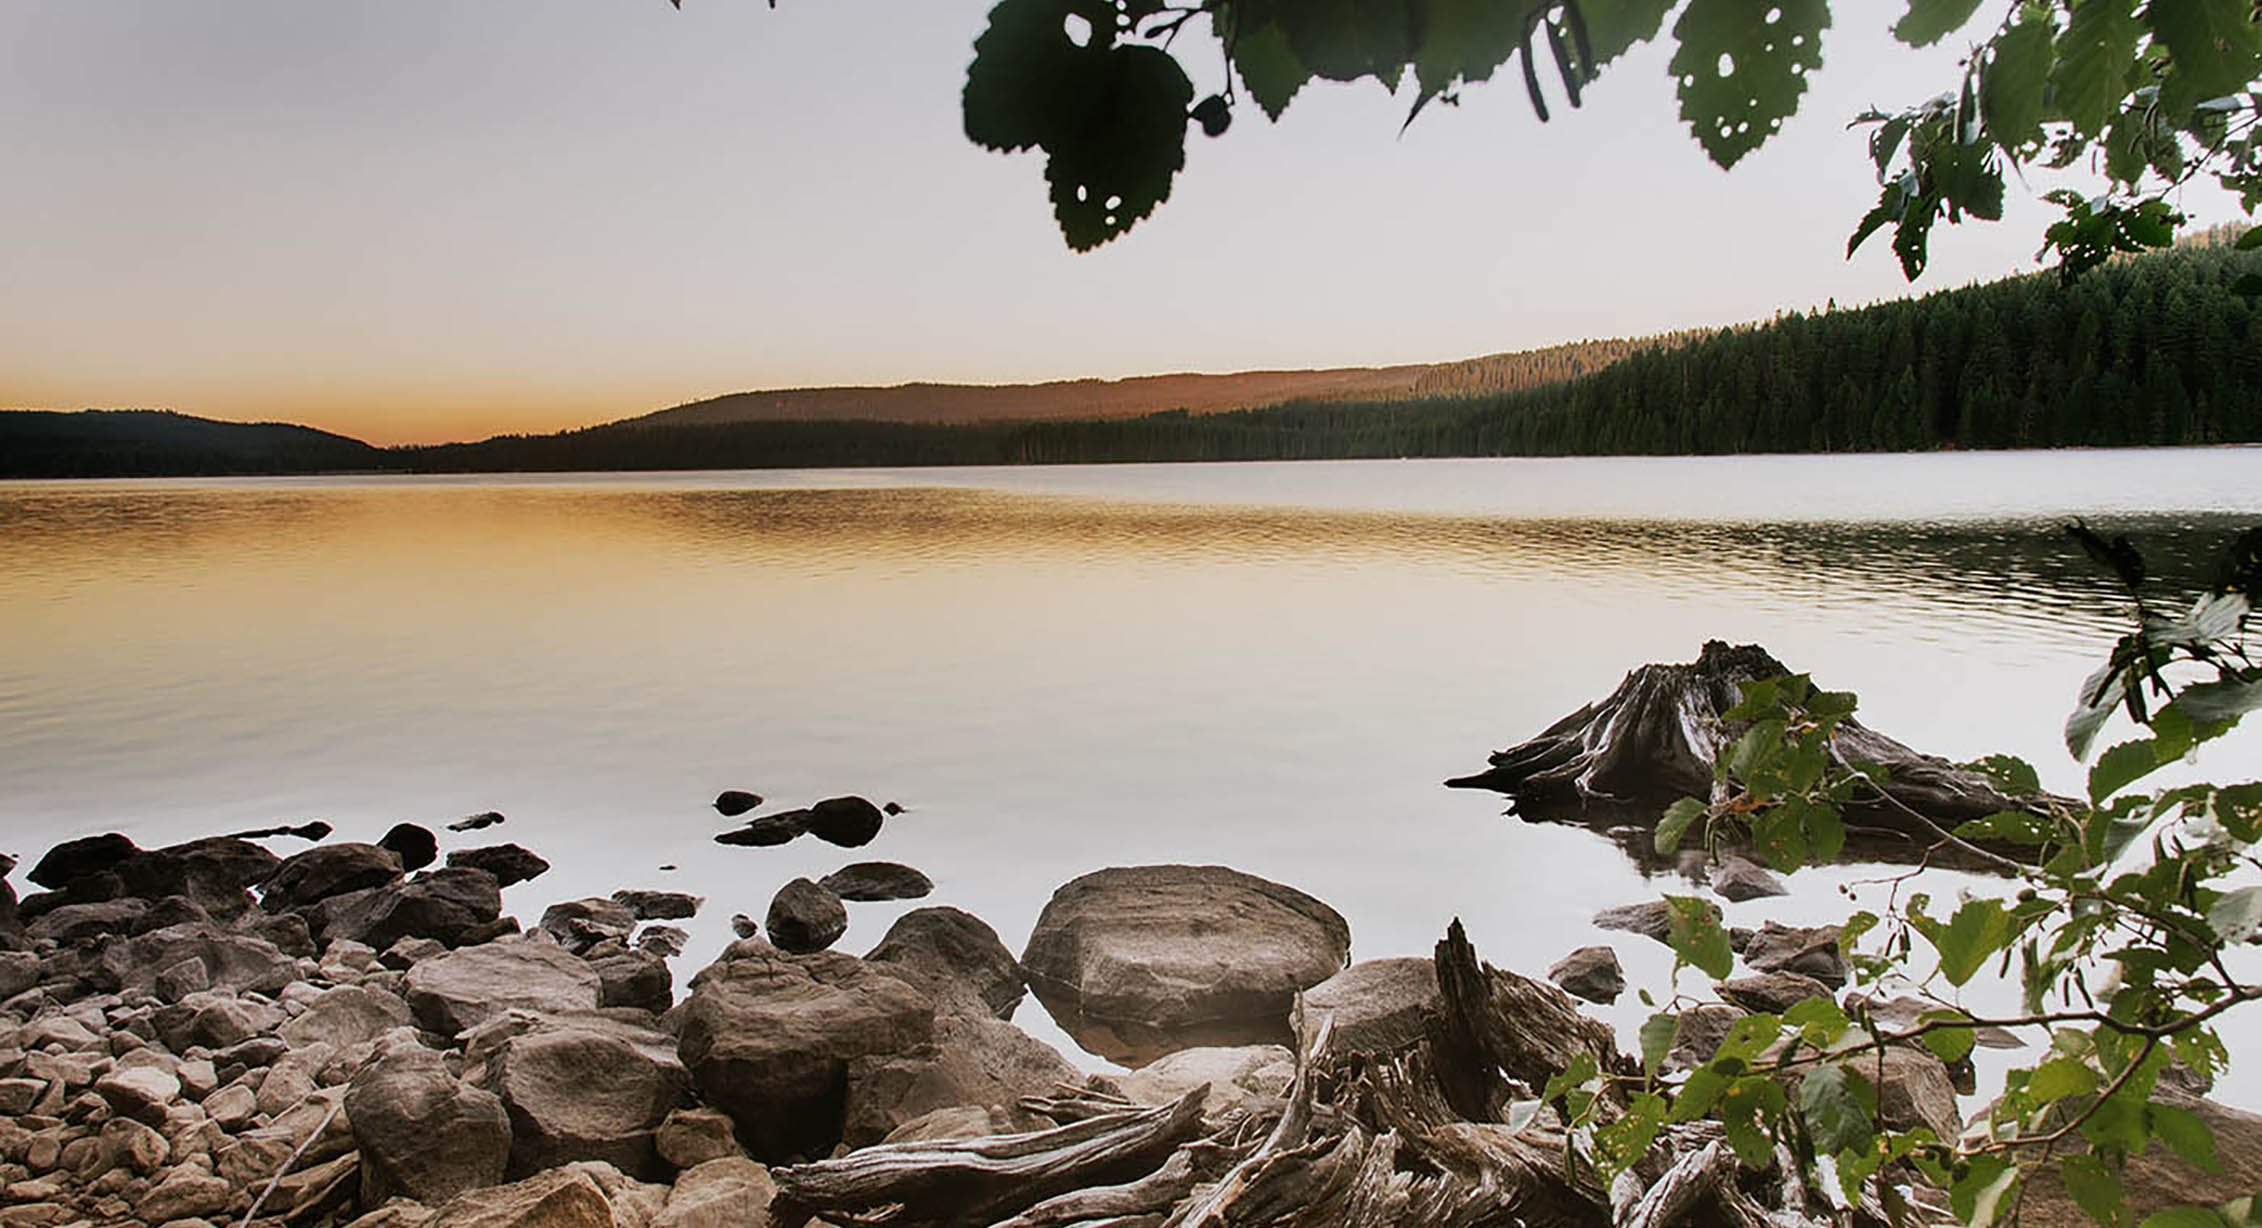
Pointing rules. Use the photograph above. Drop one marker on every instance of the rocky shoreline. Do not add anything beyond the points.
(356, 1035)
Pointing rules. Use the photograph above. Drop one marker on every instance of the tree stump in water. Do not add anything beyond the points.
(1654, 739)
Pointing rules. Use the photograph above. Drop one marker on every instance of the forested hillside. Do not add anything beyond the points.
(160, 443)
(2152, 350)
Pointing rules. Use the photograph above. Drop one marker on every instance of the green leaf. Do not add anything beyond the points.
(2010, 826)
(1676, 821)
(1834, 1115)
(2121, 766)
(1929, 21)
(1465, 40)
(2185, 1133)
(1025, 81)
(2239, 809)
(2009, 774)
(1694, 932)
(2248, 284)
(1269, 67)
(2237, 915)
(2251, 241)
(1820, 1021)
(1614, 26)
(1114, 166)
(1657, 1034)
(1621, 1144)
(2059, 1078)
(2224, 699)
(1978, 1196)
(1344, 40)
(1949, 1044)
(2096, 55)
(1733, 113)
(2096, 1189)
(1978, 930)
(2010, 94)
(1698, 1094)
(2214, 48)
(2101, 695)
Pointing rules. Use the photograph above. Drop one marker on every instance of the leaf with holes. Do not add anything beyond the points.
(1833, 1111)
(2237, 915)
(1929, 21)
(1657, 1034)
(1675, 823)
(1027, 77)
(1114, 167)
(1740, 81)
(2096, 1189)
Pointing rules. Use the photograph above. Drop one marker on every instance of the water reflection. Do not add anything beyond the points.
(1055, 681)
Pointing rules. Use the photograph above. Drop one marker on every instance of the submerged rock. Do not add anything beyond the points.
(308, 878)
(1136, 962)
(850, 822)
(659, 905)
(769, 830)
(72, 860)
(731, 803)
(1736, 880)
(416, 846)
(474, 822)
(511, 864)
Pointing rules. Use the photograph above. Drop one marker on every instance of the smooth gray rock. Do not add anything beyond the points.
(1736, 879)
(232, 959)
(1771, 992)
(1140, 961)
(588, 1090)
(1809, 951)
(346, 1017)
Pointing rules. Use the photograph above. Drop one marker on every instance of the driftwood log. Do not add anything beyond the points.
(1616, 763)
(1409, 1137)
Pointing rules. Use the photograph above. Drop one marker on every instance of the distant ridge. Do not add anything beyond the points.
(1084, 399)
(109, 443)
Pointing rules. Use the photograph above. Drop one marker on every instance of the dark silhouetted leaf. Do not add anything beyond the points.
(2010, 96)
(2095, 55)
(1735, 111)
(1929, 21)
(1113, 168)
(1269, 67)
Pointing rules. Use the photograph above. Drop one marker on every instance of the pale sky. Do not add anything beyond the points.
(415, 220)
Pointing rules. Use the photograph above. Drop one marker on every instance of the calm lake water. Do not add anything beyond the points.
(1268, 666)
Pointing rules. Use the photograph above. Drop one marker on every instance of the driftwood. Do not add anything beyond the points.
(981, 1180)
(1617, 763)
(1362, 1140)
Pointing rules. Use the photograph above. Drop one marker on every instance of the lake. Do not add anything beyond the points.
(1268, 666)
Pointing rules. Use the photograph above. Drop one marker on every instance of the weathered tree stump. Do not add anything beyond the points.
(1618, 762)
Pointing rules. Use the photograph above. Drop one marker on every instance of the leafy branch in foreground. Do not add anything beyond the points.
(2124, 909)
(2149, 97)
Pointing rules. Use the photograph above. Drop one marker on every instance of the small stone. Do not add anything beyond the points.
(732, 803)
(1592, 973)
(485, 818)
(743, 925)
(666, 941)
(183, 1194)
(416, 846)
(691, 1137)
(408, 952)
(769, 830)
(142, 1092)
(1810, 951)
(232, 1106)
(1737, 880)
(18, 1095)
(1771, 992)
(182, 978)
(128, 1144)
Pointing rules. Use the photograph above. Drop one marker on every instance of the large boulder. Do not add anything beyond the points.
(768, 1036)
(448, 906)
(805, 917)
(72, 860)
(346, 1017)
(1138, 962)
(230, 959)
(2155, 1178)
(953, 956)
(216, 873)
(1377, 1005)
(422, 1132)
(456, 992)
(587, 1088)
(327, 870)
(974, 1061)
(632, 977)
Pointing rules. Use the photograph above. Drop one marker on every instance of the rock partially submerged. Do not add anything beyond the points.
(805, 917)
(878, 880)
(1137, 962)
(1621, 760)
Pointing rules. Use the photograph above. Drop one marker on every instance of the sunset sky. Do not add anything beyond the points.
(415, 220)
